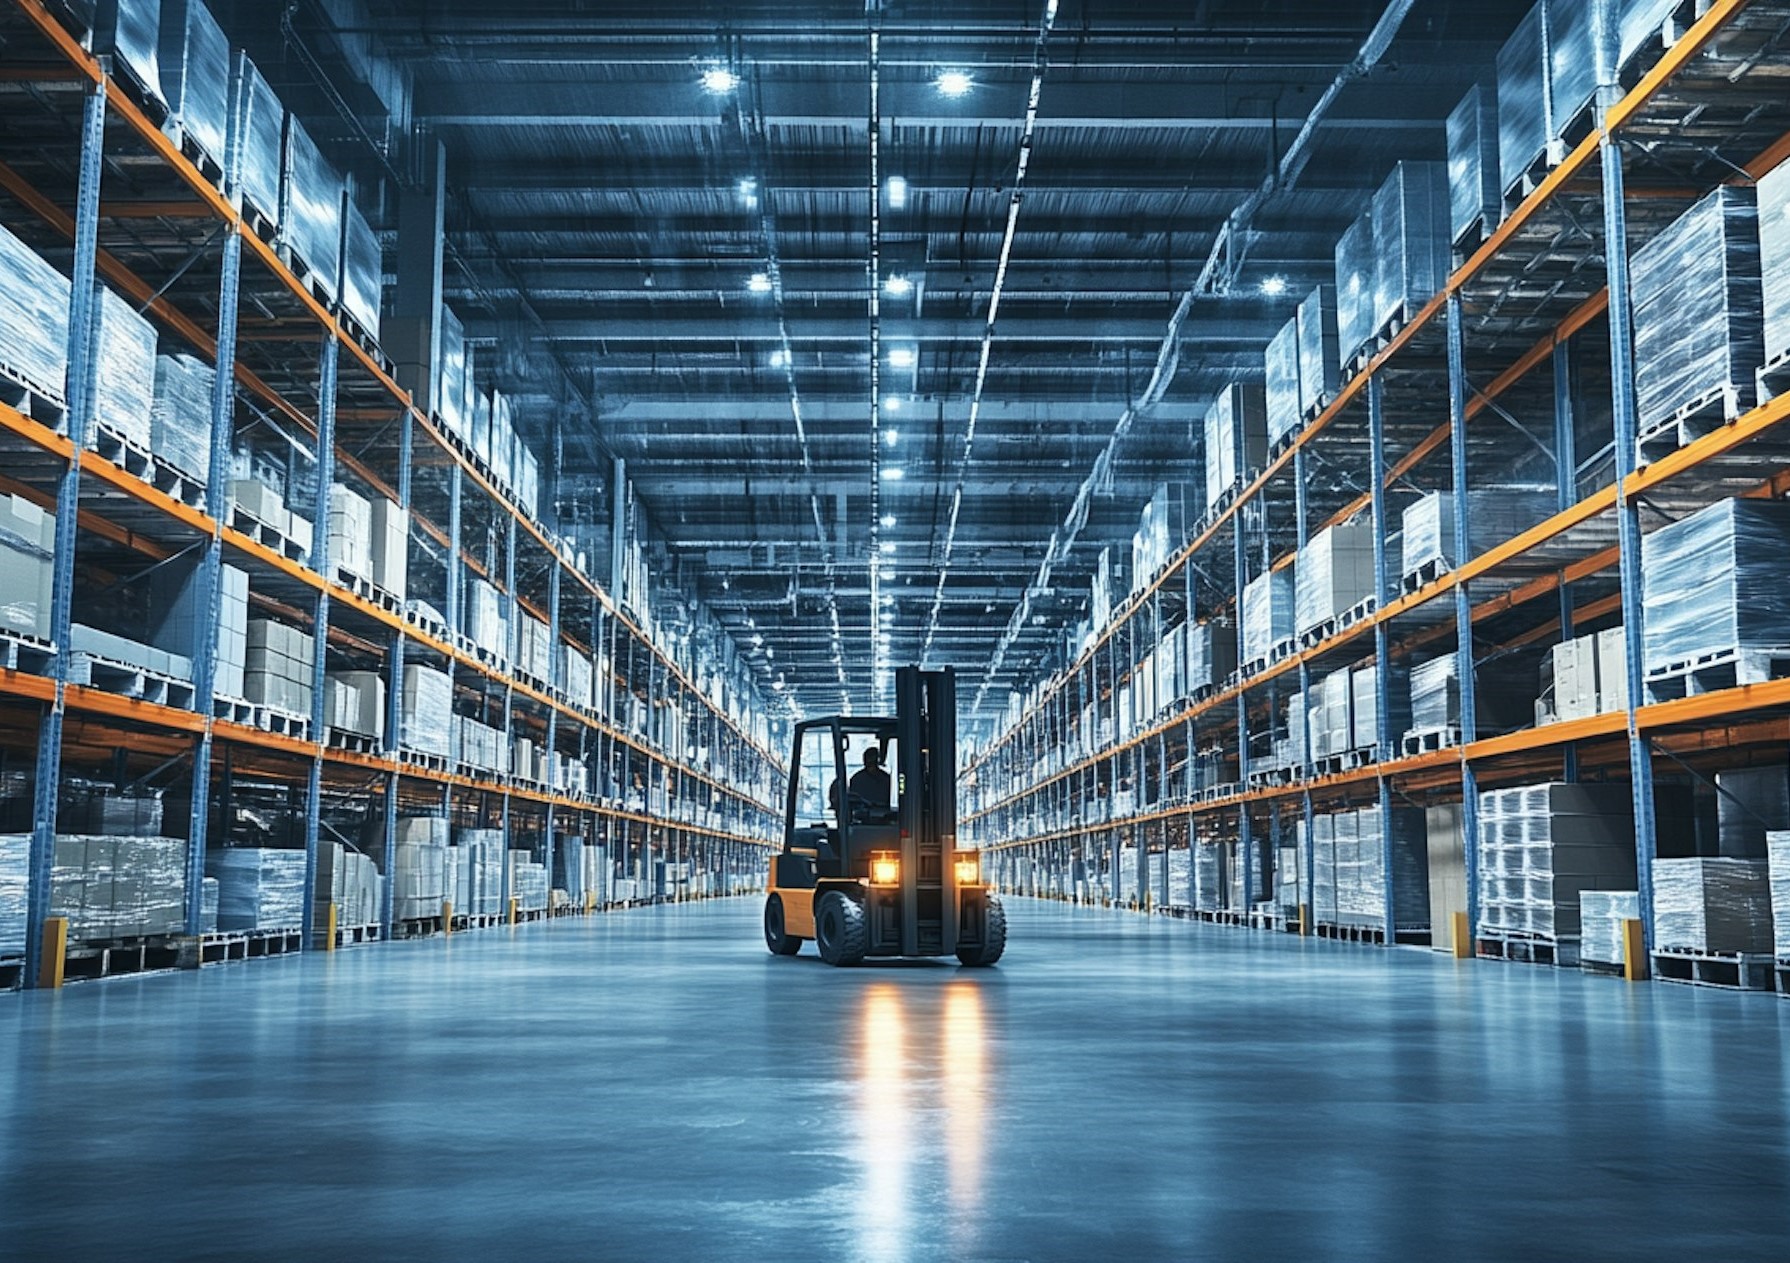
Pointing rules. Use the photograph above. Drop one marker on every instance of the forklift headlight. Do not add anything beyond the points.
(885, 870)
(969, 868)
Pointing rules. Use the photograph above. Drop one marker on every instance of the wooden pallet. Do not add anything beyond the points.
(223, 946)
(282, 723)
(1359, 612)
(1528, 949)
(122, 451)
(1350, 933)
(353, 742)
(422, 759)
(1717, 407)
(111, 958)
(1429, 572)
(368, 591)
(175, 129)
(19, 652)
(269, 537)
(1713, 672)
(233, 710)
(355, 935)
(1428, 740)
(12, 973)
(126, 679)
(320, 289)
(365, 340)
(1731, 971)
(49, 408)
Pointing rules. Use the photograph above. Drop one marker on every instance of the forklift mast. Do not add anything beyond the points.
(926, 730)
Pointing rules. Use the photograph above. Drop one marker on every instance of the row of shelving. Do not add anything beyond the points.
(292, 581)
(1335, 617)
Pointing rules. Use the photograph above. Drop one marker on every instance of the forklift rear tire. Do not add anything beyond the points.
(840, 930)
(994, 937)
(780, 943)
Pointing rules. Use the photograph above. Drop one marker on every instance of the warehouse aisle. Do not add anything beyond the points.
(651, 1084)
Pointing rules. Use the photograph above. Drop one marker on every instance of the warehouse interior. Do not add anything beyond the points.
(1205, 577)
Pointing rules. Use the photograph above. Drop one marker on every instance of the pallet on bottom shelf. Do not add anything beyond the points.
(128, 680)
(19, 652)
(1428, 740)
(1527, 949)
(1713, 672)
(1733, 971)
(108, 958)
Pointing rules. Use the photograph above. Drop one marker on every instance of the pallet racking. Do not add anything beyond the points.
(89, 179)
(1523, 363)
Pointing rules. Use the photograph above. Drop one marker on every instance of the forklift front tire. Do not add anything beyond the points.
(780, 943)
(841, 931)
(994, 936)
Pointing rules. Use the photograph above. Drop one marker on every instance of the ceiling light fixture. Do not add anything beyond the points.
(1274, 286)
(759, 282)
(898, 286)
(892, 403)
(897, 191)
(888, 520)
(902, 357)
(893, 473)
(891, 437)
(888, 547)
(719, 80)
(779, 358)
(954, 83)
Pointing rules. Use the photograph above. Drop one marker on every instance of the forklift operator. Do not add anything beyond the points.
(868, 790)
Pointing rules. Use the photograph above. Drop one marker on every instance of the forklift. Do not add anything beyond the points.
(870, 865)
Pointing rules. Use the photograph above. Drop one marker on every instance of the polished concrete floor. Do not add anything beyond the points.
(653, 1085)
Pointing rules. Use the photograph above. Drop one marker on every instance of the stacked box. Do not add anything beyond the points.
(265, 505)
(1773, 194)
(1777, 852)
(574, 675)
(119, 887)
(349, 880)
(451, 402)
(1280, 385)
(357, 703)
(1364, 708)
(1541, 846)
(1713, 583)
(1335, 573)
(568, 866)
(130, 32)
(33, 319)
(258, 889)
(484, 616)
(279, 665)
(1572, 664)
(311, 207)
(15, 874)
(1436, 694)
(528, 882)
(1236, 437)
(1699, 311)
(1320, 356)
(1601, 914)
(484, 850)
(1330, 716)
(534, 647)
(1712, 904)
(1572, 59)
(1208, 877)
(363, 269)
(1361, 839)
(258, 133)
(194, 57)
(1267, 612)
(1357, 279)
(101, 644)
(27, 566)
(419, 867)
(84, 806)
(1525, 125)
(1494, 514)
(1474, 201)
(426, 705)
(1411, 243)
(477, 744)
(181, 619)
(390, 537)
(180, 416)
(127, 380)
(350, 531)
(208, 905)
(1612, 669)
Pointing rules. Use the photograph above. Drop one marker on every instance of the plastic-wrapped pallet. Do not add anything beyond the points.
(90, 807)
(1713, 583)
(1335, 573)
(1280, 386)
(1236, 438)
(1712, 905)
(1208, 877)
(1436, 694)
(1699, 312)
(357, 703)
(484, 616)
(33, 320)
(452, 405)
(258, 125)
(427, 703)
(1601, 914)
(130, 31)
(27, 566)
(1211, 655)
(1494, 514)
(311, 207)
(128, 377)
(15, 862)
(1773, 194)
(568, 867)
(1180, 878)
(119, 887)
(1364, 709)
(1267, 612)
(194, 56)
(1357, 276)
(1777, 852)
(419, 867)
(180, 418)
(1541, 846)
(1411, 246)
(208, 905)
(350, 531)
(390, 531)
(1524, 123)
(534, 647)
(258, 889)
(1323, 858)
(1572, 59)
(1320, 359)
(1474, 201)
(363, 269)
(574, 674)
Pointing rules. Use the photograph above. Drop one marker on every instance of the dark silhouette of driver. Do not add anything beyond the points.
(868, 790)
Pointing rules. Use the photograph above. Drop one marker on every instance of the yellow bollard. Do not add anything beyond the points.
(55, 953)
(1304, 919)
(329, 944)
(590, 902)
(515, 903)
(1634, 950)
(1463, 937)
(447, 916)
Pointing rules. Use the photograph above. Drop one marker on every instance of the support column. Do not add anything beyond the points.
(1376, 427)
(320, 560)
(1566, 466)
(1463, 609)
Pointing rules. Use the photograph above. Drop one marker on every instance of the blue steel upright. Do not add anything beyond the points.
(1376, 430)
(83, 376)
(328, 371)
(1463, 609)
(1566, 494)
